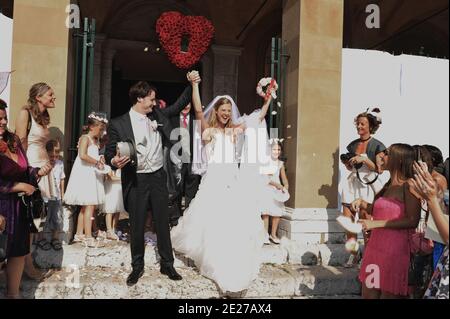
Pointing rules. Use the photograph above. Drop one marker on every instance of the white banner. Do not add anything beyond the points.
(6, 34)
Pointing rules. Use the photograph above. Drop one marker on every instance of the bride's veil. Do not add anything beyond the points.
(200, 160)
(235, 114)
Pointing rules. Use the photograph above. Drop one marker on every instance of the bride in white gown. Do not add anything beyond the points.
(222, 230)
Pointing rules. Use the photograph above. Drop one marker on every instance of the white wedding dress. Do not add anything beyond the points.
(222, 230)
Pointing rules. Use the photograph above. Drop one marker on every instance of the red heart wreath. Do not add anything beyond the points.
(172, 26)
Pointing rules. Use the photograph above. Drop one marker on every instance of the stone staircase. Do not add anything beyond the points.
(308, 264)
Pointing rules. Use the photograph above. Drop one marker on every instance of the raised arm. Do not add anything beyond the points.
(428, 189)
(176, 108)
(198, 108)
(265, 109)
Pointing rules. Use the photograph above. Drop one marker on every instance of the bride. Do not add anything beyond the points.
(222, 230)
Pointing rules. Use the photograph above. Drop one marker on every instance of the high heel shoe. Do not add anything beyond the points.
(275, 240)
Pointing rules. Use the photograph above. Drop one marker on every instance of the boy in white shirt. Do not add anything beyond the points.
(55, 212)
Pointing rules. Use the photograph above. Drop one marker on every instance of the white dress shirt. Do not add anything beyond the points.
(148, 144)
(185, 137)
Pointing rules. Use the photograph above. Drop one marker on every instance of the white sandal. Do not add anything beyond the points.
(110, 234)
(78, 238)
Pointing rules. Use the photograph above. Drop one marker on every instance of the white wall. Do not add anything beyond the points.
(411, 91)
(6, 33)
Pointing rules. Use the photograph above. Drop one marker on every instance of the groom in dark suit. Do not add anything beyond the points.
(144, 182)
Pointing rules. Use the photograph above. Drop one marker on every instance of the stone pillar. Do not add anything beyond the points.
(40, 54)
(96, 86)
(106, 80)
(226, 70)
(313, 36)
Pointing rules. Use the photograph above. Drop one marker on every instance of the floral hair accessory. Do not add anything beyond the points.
(273, 141)
(271, 88)
(101, 117)
(375, 113)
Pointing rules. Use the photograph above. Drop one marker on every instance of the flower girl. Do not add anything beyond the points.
(85, 187)
(276, 191)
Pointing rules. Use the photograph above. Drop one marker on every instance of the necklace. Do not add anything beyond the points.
(363, 141)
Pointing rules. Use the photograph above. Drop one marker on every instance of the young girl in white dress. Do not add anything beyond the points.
(85, 187)
(276, 191)
(113, 203)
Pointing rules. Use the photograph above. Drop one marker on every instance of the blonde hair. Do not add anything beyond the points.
(213, 119)
(38, 89)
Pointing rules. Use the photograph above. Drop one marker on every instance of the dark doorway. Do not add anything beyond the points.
(120, 103)
(132, 67)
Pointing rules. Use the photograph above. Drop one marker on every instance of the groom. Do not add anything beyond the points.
(144, 184)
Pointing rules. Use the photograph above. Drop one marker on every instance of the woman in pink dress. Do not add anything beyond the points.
(395, 213)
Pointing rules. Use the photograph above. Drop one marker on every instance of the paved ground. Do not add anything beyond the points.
(100, 273)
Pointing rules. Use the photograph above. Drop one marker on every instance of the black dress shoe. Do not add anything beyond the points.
(133, 278)
(171, 273)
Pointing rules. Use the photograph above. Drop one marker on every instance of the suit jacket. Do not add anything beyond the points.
(120, 129)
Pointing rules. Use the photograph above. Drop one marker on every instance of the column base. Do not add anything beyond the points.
(312, 226)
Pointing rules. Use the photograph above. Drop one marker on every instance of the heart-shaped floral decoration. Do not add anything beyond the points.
(173, 26)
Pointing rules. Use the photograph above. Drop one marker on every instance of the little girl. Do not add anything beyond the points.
(85, 187)
(276, 194)
(113, 203)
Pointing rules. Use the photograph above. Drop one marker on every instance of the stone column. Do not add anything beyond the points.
(106, 80)
(226, 70)
(313, 36)
(96, 85)
(40, 54)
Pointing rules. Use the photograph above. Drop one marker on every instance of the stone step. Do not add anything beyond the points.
(312, 226)
(311, 214)
(287, 281)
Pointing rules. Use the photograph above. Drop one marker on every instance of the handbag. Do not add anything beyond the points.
(36, 210)
(419, 245)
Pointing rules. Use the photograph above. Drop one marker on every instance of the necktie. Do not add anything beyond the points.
(185, 121)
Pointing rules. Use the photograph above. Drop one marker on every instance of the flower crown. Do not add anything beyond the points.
(273, 141)
(98, 117)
